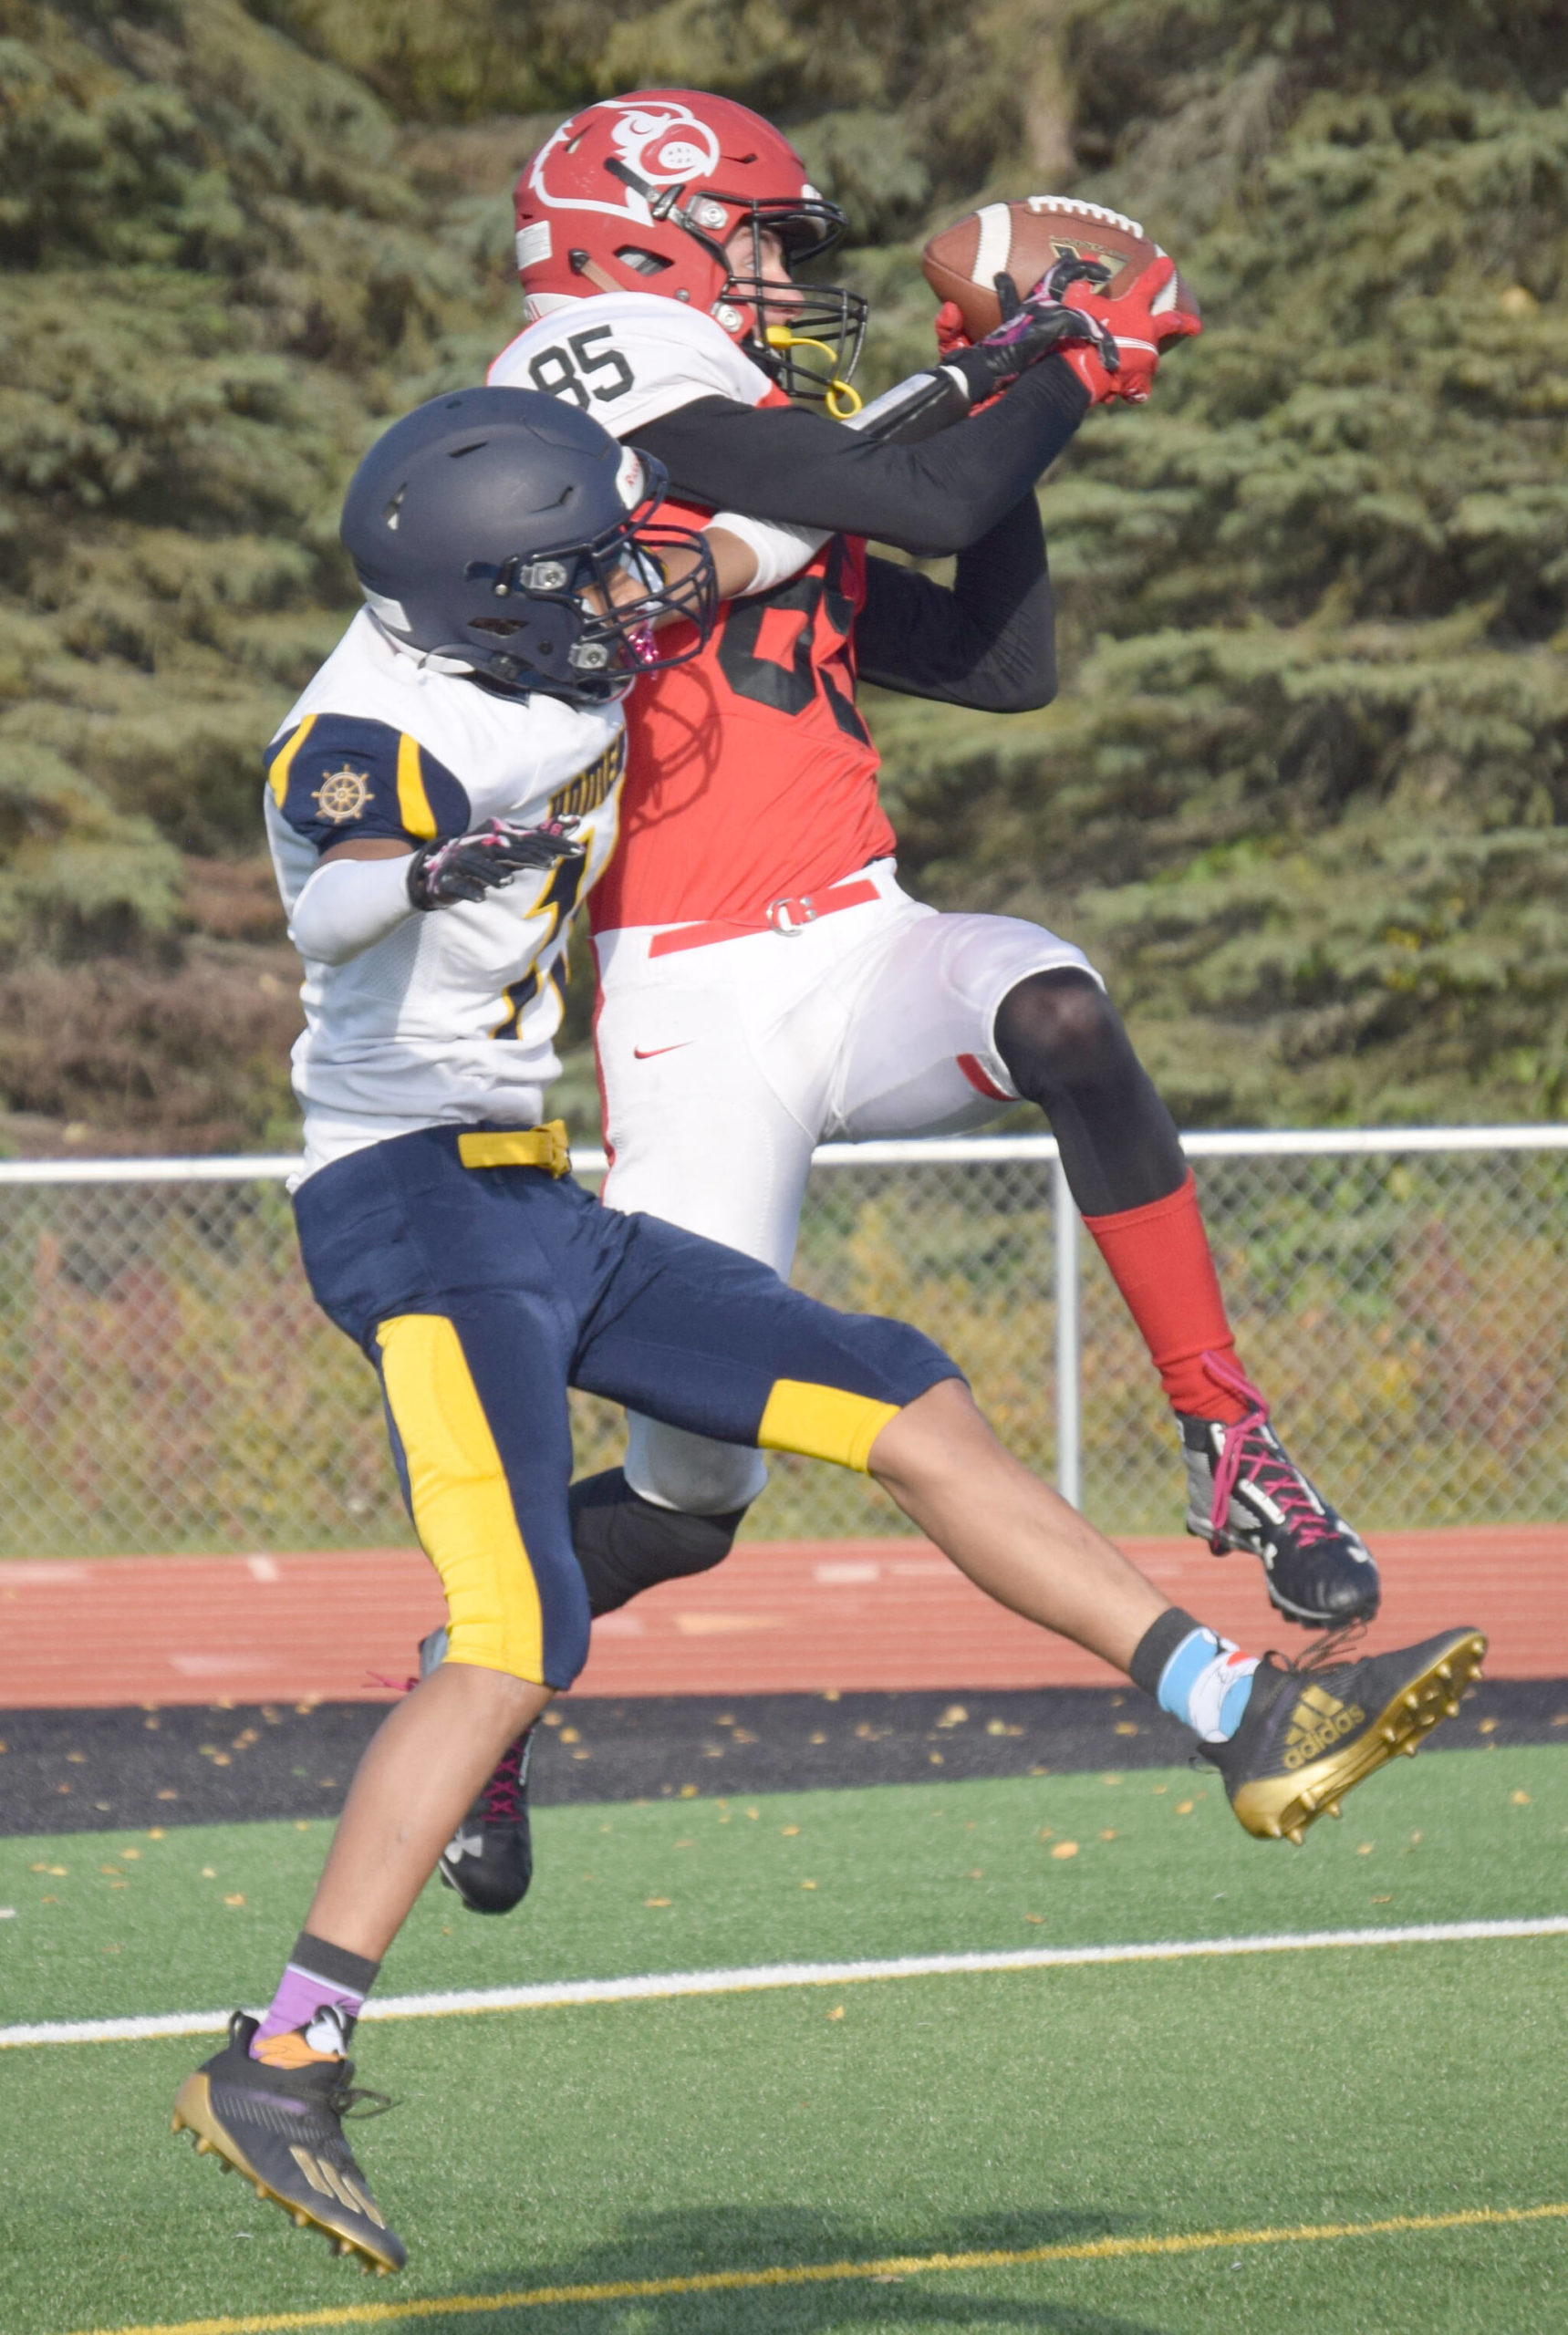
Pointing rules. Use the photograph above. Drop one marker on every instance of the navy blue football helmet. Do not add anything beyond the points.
(507, 531)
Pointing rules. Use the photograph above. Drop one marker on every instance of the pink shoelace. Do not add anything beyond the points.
(504, 1792)
(1275, 1474)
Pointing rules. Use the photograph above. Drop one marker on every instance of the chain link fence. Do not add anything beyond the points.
(166, 1383)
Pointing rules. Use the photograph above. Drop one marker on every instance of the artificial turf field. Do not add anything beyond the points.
(1093, 2117)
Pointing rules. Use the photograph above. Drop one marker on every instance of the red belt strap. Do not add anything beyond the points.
(783, 916)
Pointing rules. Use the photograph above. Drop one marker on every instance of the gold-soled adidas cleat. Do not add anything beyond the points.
(1314, 1729)
(283, 2129)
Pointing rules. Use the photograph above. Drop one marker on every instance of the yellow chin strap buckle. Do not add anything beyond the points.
(842, 400)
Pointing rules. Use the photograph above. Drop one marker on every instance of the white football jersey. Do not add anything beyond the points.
(627, 358)
(452, 1015)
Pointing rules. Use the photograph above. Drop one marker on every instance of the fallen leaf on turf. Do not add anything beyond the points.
(1047, 1834)
(1036, 1918)
(234, 1900)
(1383, 1900)
(977, 1874)
(659, 1900)
(1520, 1799)
(838, 2013)
(790, 1830)
(1366, 1848)
(129, 1855)
(1184, 1807)
(156, 1832)
(1107, 1836)
(808, 1884)
(209, 1873)
(114, 1868)
(1065, 1848)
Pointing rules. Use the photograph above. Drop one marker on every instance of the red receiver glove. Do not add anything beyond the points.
(1142, 322)
(951, 332)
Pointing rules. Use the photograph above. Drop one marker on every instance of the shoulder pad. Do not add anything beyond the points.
(336, 775)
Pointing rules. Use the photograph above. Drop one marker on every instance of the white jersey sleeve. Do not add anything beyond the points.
(629, 357)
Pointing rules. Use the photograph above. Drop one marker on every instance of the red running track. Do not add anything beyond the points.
(776, 1618)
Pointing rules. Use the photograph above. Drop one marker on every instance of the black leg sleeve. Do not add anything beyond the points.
(625, 1544)
(1066, 1048)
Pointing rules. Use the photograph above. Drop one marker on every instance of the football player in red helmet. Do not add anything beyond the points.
(763, 980)
(687, 196)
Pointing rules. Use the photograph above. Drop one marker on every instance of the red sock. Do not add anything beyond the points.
(1160, 1258)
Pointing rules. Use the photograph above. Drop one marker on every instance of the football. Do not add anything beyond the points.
(1025, 240)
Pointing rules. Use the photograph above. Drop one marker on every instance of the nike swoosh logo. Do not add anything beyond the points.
(646, 1053)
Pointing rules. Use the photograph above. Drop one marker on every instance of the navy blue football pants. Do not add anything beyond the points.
(482, 1294)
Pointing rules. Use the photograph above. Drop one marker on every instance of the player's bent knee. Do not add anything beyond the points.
(626, 1544)
(941, 1430)
(1054, 1029)
(691, 1472)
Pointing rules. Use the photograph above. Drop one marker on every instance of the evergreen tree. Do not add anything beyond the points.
(1305, 791)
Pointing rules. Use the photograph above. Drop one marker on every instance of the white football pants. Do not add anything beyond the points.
(722, 1068)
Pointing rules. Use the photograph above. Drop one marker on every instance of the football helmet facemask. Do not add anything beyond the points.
(506, 534)
(643, 194)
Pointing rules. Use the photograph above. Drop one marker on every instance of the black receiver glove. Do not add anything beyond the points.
(1033, 328)
(467, 866)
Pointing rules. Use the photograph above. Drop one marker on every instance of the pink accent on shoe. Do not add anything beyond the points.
(1279, 1477)
(504, 1792)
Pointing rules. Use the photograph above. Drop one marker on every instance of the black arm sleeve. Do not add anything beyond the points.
(989, 642)
(935, 498)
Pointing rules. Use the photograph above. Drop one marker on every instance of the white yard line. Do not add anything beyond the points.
(663, 1986)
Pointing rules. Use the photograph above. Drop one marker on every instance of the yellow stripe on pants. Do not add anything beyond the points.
(822, 1422)
(462, 1500)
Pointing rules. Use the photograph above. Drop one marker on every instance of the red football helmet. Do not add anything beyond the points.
(643, 194)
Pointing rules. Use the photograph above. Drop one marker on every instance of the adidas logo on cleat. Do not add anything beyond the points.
(1318, 1722)
(327, 2182)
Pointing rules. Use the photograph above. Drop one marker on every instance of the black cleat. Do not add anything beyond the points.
(282, 2127)
(1245, 1491)
(488, 1859)
(1314, 1729)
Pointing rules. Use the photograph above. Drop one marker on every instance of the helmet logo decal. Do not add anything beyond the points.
(664, 145)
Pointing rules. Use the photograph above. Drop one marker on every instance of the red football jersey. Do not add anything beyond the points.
(750, 775)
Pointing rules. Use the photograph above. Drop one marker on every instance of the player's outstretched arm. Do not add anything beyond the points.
(989, 640)
(936, 498)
